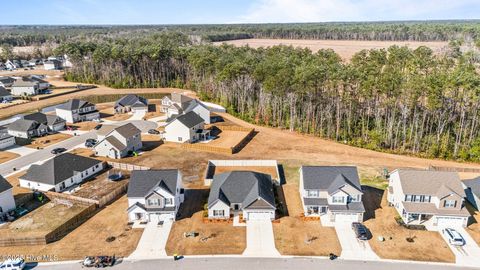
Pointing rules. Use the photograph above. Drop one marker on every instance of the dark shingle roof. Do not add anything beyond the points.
(131, 100)
(75, 104)
(330, 178)
(143, 182)
(23, 125)
(115, 143)
(244, 187)
(4, 92)
(127, 130)
(179, 98)
(59, 168)
(43, 118)
(474, 185)
(189, 119)
(4, 184)
(24, 82)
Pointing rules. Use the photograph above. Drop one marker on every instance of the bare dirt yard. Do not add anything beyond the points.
(42, 142)
(226, 138)
(474, 228)
(212, 238)
(6, 156)
(426, 245)
(108, 113)
(100, 186)
(261, 169)
(345, 48)
(90, 238)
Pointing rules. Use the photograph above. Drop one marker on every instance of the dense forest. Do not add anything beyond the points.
(406, 30)
(396, 99)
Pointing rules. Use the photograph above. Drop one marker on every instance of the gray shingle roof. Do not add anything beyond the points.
(4, 184)
(131, 100)
(23, 125)
(330, 178)
(43, 118)
(75, 104)
(179, 98)
(4, 92)
(474, 185)
(24, 82)
(128, 130)
(59, 168)
(143, 182)
(349, 207)
(244, 187)
(433, 183)
(189, 119)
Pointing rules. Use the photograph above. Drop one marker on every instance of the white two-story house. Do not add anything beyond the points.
(76, 110)
(186, 128)
(119, 141)
(7, 202)
(333, 193)
(155, 195)
(178, 104)
(430, 198)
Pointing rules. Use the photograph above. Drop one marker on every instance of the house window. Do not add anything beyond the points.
(218, 213)
(417, 198)
(449, 203)
(179, 139)
(154, 202)
(338, 199)
(169, 201)
(313, 193)
(313, 210)
(408, 198)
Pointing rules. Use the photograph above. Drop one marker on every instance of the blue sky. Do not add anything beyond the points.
(230, 11)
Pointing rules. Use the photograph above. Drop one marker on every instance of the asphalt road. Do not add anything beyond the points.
(44, 154)
(263, 263)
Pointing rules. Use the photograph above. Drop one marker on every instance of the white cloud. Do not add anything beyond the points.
(272, 11)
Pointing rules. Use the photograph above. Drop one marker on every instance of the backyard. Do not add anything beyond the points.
(42, 142)
(6, 156)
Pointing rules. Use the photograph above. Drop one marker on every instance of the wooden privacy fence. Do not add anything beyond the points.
(127, 167)
(62, 196)
(76, 89)
(224, 150)
(208, 148)
(115, 194)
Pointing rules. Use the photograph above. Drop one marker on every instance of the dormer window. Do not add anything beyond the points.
(449, 203)
(313, 194)
(338, 199)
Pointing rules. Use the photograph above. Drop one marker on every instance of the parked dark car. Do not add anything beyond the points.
(360, 230)
(97, 127)
(153, 131)
(58, 150)
(90, 143)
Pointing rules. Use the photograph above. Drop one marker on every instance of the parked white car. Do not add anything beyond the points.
(454, 237)
(16, 264)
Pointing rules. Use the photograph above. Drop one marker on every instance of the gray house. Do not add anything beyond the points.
(472, 190)
(76, 110)
(154, 195)
(25, 86)
(131, 103)
(6, 81)
(333, 193)
(5, 95)
(119, 141)
(27, 129)
(53, 122)
(60, 172)
(242, 192)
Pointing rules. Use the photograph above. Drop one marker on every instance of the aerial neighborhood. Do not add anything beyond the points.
(240, 146)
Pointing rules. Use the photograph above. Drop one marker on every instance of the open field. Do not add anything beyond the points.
(221, 238)
(42, 142)
(294, 236)
(345, 48)
(6, 156)
(426, 245)
(90, 237)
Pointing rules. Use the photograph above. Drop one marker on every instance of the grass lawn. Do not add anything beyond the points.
(6, 156)
(427, 246)
(221, 238)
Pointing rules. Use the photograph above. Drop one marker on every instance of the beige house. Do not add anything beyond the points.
(429, 198)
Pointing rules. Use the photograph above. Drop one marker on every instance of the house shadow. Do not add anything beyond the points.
(280, 202)
(105, 115)
(152, 108)
(150, 145)
(281, 175)
(247, 140)
(195, 201)
(372, 200)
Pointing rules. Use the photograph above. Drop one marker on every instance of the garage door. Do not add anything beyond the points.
(259, 216)
(449, 222)
(161, 217)
(346, 218)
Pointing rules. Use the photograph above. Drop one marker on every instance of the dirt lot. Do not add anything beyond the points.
(42, 220)
(88, 239)
(427, 246)
(107, 113)
(227, 138)
(345, 48)
(45, 141)
(261, 169)
(221, 238)
(474, 228)
(294, 236)
(14, 102)
(6, 156)
(100, 186)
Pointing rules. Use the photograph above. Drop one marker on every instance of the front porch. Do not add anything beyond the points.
(417, 218)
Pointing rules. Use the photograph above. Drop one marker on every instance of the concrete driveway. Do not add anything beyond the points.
(137, 115)
(260, 240)
(467, 255)
(143, 125)
(352, 248)
(153, 241)
(21, 150)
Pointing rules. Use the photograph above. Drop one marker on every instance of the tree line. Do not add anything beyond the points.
(397, 99)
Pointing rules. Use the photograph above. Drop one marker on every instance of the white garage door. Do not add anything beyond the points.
(449, 222)
(259, 215)
(346, 217)
(161, 217)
